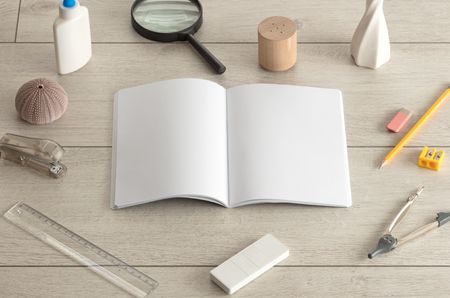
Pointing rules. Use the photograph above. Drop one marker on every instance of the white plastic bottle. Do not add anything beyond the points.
(72, 34)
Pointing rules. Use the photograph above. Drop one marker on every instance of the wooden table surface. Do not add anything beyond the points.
(178, 241)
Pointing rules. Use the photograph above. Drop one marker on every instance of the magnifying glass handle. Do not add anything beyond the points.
(212, 60)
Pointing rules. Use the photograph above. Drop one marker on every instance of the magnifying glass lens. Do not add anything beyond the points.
(172, 20)
(166, 16)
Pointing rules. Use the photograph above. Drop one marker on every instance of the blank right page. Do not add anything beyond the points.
(287, 144)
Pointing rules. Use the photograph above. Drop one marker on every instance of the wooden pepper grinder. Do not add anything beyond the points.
(277, 43)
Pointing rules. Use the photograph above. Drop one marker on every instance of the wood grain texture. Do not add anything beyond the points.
(8, 19)
(277, 43)
(194, 282)
(230, 21)
(188, 232)
(414, 78)
(179, 241)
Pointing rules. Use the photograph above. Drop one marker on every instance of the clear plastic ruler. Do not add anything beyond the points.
(81, 250)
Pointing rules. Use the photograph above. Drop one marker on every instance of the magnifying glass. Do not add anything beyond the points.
(172, 20)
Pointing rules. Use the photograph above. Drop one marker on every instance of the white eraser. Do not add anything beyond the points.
(250, 263)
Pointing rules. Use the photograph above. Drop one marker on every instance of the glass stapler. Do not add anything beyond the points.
(39, 154)
(388, 242)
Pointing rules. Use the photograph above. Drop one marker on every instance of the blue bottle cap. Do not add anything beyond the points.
(69, 3)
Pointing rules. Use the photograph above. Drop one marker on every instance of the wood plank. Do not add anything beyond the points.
(413, 79)
(230, 21)
(188, 232)
(8, 19)
(182, 239)
(194, 282)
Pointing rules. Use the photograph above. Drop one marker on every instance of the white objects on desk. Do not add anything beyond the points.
(250, 263)
(72, 36)
(192, 138)
(370, 44)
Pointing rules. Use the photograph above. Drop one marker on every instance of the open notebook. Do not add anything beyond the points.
(259, 143)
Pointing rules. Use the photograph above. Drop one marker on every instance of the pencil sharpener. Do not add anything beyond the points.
(430, 158)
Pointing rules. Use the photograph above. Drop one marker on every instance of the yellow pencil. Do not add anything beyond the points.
(415, 128)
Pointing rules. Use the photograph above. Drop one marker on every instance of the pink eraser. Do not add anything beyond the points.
(399, 120)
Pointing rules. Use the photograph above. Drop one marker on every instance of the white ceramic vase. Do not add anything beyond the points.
(370, 44)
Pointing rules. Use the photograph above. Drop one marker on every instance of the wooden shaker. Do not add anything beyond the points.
(277, 43)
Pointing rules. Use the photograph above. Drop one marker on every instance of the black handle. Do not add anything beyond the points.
(209, 57)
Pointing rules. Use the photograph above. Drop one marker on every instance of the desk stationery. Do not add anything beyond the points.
(176, 242)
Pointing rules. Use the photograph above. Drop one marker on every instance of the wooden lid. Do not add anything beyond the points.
(277, 28)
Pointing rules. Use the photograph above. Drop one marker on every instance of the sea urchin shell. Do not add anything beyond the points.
(41, 101)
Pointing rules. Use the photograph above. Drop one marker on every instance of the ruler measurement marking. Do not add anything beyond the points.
(20, 210)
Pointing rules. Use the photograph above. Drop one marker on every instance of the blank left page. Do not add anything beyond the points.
(170, 140)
